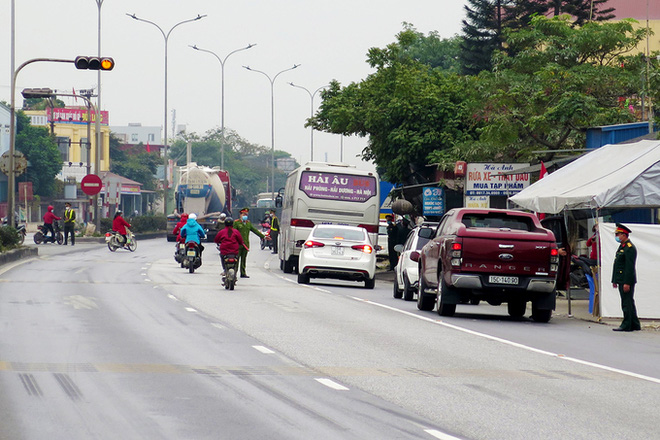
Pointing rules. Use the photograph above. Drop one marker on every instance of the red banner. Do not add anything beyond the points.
(69, 115)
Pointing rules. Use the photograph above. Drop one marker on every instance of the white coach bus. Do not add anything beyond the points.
(325, 193)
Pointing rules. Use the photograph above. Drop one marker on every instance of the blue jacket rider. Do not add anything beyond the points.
(192, 231)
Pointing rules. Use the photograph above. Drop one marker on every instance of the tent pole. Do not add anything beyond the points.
(569, 256)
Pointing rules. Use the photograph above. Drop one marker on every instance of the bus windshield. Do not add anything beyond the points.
(335, 186)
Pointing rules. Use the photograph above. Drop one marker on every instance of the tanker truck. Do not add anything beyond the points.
(203, 190)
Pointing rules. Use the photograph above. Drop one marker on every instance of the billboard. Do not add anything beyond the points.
(485, 179)
(74, 116)
(335, 186)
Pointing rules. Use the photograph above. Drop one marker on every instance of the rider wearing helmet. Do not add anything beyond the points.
(192, 231)
(49, 217)
(179, 225)
(119, 225)
(229, 240)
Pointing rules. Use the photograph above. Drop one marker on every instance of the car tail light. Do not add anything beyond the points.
(313, 244)
(363, 248)
(372, 229)
(554, 260)
(456, 253)
(301, 222)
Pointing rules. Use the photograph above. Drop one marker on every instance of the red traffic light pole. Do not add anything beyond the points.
(11, 183)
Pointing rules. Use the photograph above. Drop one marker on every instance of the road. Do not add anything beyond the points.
(128, 345)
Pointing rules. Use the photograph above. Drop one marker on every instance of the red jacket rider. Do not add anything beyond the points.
(229, 239)
(177, 228)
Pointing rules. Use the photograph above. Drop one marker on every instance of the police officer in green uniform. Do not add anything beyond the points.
(624, 277)
(244, 226)
(274, 229)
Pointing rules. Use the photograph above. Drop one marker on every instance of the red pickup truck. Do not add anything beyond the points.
(496, 255)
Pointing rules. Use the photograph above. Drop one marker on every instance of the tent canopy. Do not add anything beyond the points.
(622, 175)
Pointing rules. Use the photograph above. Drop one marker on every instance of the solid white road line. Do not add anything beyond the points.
(514, 344)
(440, 435)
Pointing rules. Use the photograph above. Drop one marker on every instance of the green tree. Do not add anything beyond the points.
(42, 103)
(42, 154)
(582, 10)
(561, 81)
(407, 108)
(134, 163)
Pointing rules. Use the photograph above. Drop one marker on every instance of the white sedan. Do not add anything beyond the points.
(406, 272)
(338, 252)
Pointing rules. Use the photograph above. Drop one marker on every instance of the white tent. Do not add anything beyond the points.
(623, 175)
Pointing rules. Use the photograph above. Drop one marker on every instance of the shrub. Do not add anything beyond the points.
(143, 223)
(8, 237)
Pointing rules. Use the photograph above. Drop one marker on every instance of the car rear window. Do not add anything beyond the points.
(339, 234)
(496, 220)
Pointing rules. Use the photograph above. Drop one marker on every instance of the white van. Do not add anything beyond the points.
(325, 193)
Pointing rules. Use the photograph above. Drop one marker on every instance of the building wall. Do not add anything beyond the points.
(136, 133)
(637, 9)
(76, 132)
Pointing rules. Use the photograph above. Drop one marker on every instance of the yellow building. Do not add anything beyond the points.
(69, 124)
(645, 12)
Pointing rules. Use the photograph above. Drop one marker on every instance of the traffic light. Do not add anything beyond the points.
(94, 63)
(37, 93)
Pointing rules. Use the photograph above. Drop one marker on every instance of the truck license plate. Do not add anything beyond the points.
(337, 250)
(493, 279)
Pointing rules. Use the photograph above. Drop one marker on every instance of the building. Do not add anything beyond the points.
(135, 133)
(641, 11)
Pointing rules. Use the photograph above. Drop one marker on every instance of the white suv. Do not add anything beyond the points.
(406, 272)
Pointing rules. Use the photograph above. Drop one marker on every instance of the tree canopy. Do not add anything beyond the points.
(42, 154)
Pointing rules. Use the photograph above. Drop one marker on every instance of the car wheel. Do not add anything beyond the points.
(425, 301)
(408, 291)
(475, 301)
(303, 278)
(445, 309)
(396, 292)
(288, 266)
(541, 315)
(517, 309)
(370, 283)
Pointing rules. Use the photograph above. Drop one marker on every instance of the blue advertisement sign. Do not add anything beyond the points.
(434, 200)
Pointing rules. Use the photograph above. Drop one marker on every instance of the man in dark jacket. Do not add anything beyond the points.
(624, 277)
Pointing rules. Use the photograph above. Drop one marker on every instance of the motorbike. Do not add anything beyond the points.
(266, 242)
(114, 241)
(40, 235)
(193, 258)
(20, 228)
(180, 252)
(231, 269)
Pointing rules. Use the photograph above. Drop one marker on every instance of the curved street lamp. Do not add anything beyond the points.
(222, 104)
(272, 120)
(311, 114)
(166, 36)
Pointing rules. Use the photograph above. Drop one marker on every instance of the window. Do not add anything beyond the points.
(134, 137)
(151, 137)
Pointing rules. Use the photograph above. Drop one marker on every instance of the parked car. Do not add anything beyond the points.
(382, 240)
(338, 252)
(495, 255)
(406, 273)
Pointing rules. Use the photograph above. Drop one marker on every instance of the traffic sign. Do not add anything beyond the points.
(91, 184)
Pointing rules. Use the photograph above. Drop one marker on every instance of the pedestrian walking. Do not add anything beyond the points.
(624, 277)
(244, 226)
(69, 223)
(392, 234)
(274, 229)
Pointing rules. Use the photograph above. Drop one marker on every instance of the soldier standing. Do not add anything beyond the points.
(244, 226)
(624, 277)
(69, 223)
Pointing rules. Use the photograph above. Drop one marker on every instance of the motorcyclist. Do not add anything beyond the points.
(179, 225)
(192, 231)
(49, 217)
(229, 240)
(119, 225)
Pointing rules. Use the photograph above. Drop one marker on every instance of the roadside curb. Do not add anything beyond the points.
(17, 254)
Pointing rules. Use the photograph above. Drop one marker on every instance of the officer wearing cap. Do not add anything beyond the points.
(624, 277)
(244, 226)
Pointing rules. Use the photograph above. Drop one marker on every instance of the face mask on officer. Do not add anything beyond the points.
(244, 218)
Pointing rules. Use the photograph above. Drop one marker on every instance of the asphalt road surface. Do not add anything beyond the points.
(101, 345)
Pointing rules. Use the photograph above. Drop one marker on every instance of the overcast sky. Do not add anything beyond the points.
(329, 39)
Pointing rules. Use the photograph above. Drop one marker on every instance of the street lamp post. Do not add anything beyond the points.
(97, 125)
(311, 115)
(272, 121)
(166, 37)
(222, 104)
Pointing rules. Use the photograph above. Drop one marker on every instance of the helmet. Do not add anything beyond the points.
(229, 221)
(223, 216)
(193, 216)
(118, 212)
